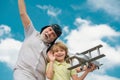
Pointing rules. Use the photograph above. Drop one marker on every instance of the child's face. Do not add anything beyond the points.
(60, 54)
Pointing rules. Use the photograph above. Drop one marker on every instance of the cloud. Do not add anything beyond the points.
(9, 47)
(93, 76)
(66, 29)
(50, 10)
(9, 50)
(4, 31)
(88, 35)
(109, 6)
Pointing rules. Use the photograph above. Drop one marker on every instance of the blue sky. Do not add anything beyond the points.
(85, 23)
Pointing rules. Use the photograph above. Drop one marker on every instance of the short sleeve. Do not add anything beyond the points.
(73, 71)
(29, 30)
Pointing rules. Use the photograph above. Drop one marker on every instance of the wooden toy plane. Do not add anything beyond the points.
(86, 60)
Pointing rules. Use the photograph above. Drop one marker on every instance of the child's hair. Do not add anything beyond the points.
(62, 46)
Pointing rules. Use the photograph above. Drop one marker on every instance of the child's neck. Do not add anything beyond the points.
(60, 61)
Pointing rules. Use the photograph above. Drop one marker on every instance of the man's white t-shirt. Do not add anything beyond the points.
(32, 55)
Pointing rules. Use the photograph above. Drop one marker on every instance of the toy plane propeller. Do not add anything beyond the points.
(87, 59)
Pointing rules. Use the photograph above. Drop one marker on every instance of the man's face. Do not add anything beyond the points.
(48, 35)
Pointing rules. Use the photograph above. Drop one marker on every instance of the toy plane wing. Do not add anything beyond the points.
(92, 49)
(95, 58)
(70, 68)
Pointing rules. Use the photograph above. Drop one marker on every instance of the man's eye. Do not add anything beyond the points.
(53, 35)
(50, 29)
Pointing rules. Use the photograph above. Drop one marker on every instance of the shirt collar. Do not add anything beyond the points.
(58, 63)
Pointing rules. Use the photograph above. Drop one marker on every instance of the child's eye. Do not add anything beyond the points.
(62, 50)
(56, 50)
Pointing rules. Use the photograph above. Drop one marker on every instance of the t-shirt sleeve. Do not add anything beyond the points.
(73, 71)
(47, 66)
(29, 30)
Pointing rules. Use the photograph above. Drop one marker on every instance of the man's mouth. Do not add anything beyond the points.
(46, 35)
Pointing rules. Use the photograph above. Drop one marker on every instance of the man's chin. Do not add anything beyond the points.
(47, 41)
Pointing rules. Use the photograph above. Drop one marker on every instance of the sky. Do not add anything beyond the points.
(85, 24)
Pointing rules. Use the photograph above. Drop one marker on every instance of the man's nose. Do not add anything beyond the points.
(50, 32)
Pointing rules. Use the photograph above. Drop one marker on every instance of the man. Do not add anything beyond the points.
(31, 63)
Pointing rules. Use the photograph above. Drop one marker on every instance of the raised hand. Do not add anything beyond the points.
(51, 56)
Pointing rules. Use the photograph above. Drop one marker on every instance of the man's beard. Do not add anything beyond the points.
(45, 38)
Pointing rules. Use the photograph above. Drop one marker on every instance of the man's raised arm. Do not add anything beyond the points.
(23, 13)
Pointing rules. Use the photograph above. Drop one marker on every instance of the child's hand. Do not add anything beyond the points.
(91, 68)
(51, 56)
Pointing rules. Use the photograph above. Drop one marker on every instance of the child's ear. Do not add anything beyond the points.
(48, 59)
(66, 58)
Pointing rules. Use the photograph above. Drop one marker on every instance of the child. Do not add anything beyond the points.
(57, 66)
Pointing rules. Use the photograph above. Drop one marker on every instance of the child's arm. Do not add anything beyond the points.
(90, 69)
(49, 70)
